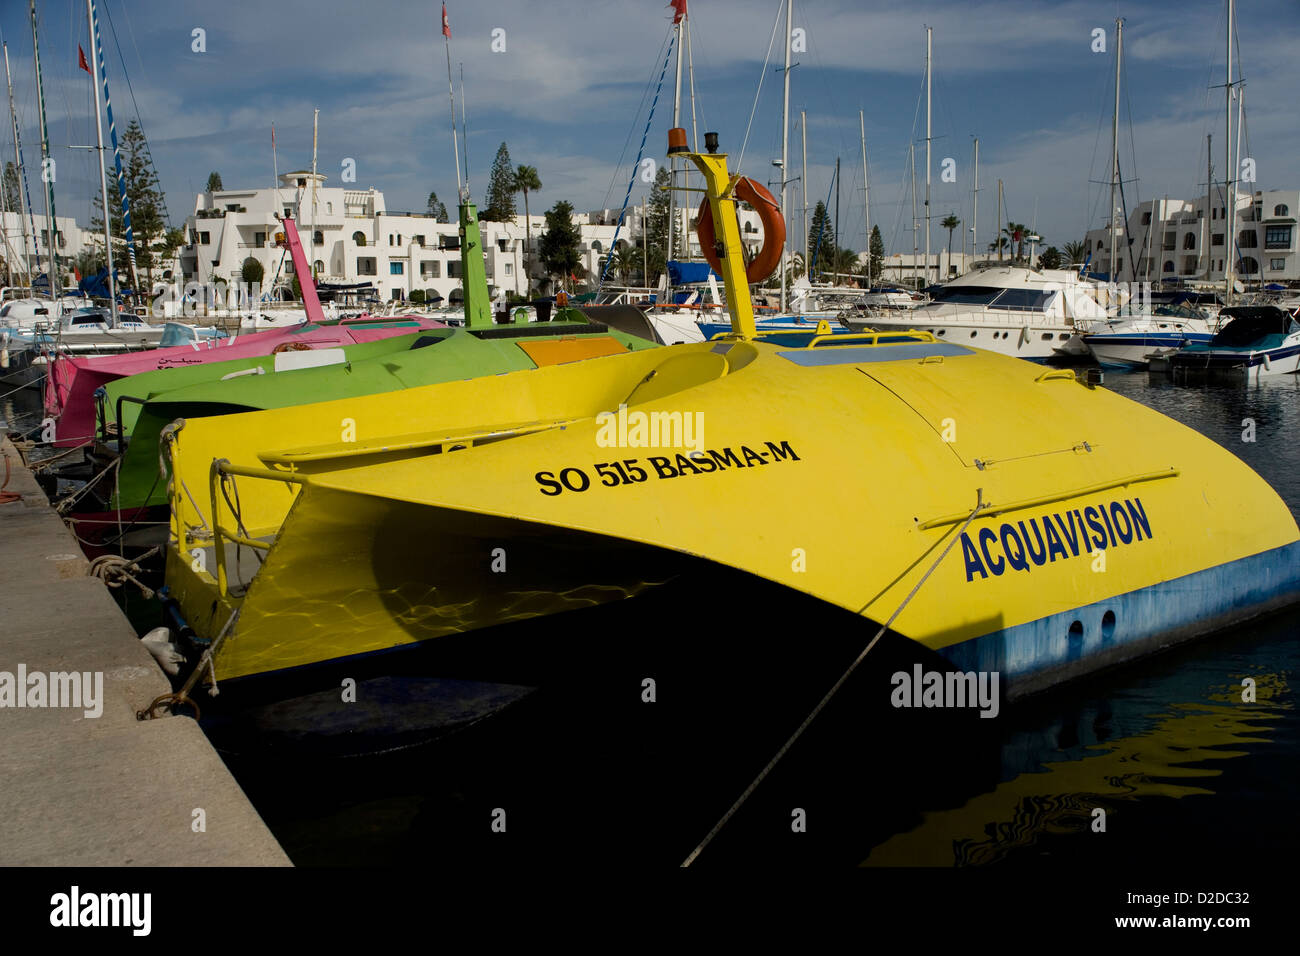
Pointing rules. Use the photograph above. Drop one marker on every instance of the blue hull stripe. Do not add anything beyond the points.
(1035, 655)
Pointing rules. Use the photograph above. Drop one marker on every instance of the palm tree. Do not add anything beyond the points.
(1075, 251)
(525, 179)
(625, 259)
(998, 244)
(950, 222)
(1019, 242)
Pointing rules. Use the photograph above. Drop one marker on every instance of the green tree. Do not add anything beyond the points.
(214, 182)
(500, 204)
(561, 246)
(656, 226)
(12, 189)
(416, 297)
(821, 239)
(1075, 251)
(526, 181)
(1050, 259)
(1016, 233)
(144, 193)
(950, 222)
(626, 260)
(436, 209)
(88, 262)
(876, 260)
(252, 271)
(998, 244)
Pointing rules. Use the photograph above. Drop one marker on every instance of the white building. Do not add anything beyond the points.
(72, 241)
(351, 237)
(1174, 238)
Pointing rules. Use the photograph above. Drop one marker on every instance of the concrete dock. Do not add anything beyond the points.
(109, 790)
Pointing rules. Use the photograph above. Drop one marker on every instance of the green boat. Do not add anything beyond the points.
(482, 347)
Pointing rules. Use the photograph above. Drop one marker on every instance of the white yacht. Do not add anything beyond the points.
(1026, 313)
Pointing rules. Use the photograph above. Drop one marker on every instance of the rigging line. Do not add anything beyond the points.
(131, 90)
(635, 166)
(631, 129)
(740, 162)
(980, 505)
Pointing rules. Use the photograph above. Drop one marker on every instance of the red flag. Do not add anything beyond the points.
(81, 59)
(680, 7)
(446, 27)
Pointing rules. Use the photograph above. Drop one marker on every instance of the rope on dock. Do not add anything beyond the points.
(980, 505)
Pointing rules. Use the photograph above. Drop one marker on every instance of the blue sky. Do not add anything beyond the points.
(567, 96)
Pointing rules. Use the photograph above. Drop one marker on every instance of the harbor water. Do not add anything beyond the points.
(1182, 769)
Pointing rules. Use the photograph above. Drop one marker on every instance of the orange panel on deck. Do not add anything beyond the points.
(557, 351)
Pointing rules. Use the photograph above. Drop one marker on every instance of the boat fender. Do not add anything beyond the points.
(769, 213)
(1268, 365)
(168, 655)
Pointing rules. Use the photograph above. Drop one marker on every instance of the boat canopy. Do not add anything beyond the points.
(685, 273)
(1262, 326)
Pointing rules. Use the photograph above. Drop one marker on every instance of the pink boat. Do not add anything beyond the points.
(71, 382)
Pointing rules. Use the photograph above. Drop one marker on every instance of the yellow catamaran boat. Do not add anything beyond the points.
(1012, 519)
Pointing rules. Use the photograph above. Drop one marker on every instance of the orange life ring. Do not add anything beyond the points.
(769, 212)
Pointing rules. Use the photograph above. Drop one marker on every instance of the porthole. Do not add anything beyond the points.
(1047, 336)
(1063, 336)
(973, 333)
(1076, 631)
(1108, 625)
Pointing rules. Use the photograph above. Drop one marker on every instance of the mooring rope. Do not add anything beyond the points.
(980, 505)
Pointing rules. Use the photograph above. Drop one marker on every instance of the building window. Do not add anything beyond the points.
(366, 266)
(397, 296)
(1277, 265)
(318, 268)
(1189, 241)
(418, 240)
(359, 238)
(431, 270)
(1171, 241)
(318, 237)
(1099, 243)
(204, 238)
(395, 269)
(259, 239)
(1248, 240)
(1281, 210)
(288, 210)
(453, 269)
(1277, 237)
(1248, 266)
(1217, 239)
(1169, 266)
(329, 209)
(510, 270)
(232, 207)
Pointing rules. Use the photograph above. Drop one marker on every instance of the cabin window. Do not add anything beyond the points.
(1281, 210)
(1277, 237)
(968, 294)
(1035, 300)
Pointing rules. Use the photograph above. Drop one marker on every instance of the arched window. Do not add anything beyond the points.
(318, 237)
(359, 238)
(1248, 266)
(1281, 210)
(1169, 266)
(329, 209)
(749, 227)
(318, 268)
(1189, 241)
(1099, 243)
(595, 245)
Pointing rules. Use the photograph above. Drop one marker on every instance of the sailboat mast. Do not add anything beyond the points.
(47, 173)
(928, 48)
(18, 168)
(785, 137)
(672, 162)
(911, 159)
(866, 191)
(103, 176)
(315, 129)
(975, 212)
(803, 187)
(1229, 171)
(1114, 150)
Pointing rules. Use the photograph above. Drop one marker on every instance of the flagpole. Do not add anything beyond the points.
(451, 99)
(463, 128)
